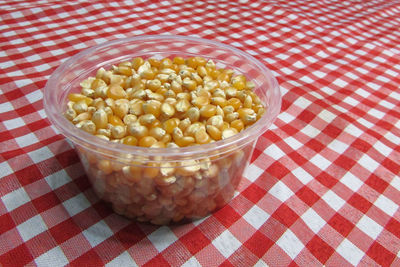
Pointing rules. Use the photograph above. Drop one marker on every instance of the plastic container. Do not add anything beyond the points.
(161, 185)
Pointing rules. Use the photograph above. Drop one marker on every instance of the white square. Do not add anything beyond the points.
(124, 259)
(192, 262)
(290, 244)
(256, 217)
(226, 243)
(55, 257)
(252, 172)
(274, 151)
(5, 169)
(338, 146)
(387, 205)
(162, 238)
(333, 200)
(392, 138)
(351, 181)
(26, 140)
(261, 263)
(331, 66)
(76, 204)
(40, 154)
(281, 191)
(307, 80)
(298, 64)
(351, 101)
(313, 220)
(353, 130)
(373, 85)
(34, 96)
(320, 162)
(31, 228)
(42, 67)
(340, 83)
(57, 179)
(382, 148)
(328, 90)
(302, 175)
(15, 199)
(97, 233)
(376, 113)
(310, 131)
(362, 93)
(368, 163)
(387, 104)
(350, 252)
(286, 117)
(293, 143)
(319, 74)
(365, 122)
(14, 123)
(4, 107)
(369, 226)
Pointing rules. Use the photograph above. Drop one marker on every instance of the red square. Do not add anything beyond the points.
(226, 263)
(341, 224)
(254, 193)
(29, 175)
(326, 179)
(19, 256)
(361, 145)
(90, 256)
(380, 254)
(195, 241)
(307, 195)
(129, 235)
(64, 231)
(227, 216)
(45, 202)
(278, 170)
(67, 158)
(394, 227)
(259, 244)
(359, 203)
(285, 215)
(298, 158)
(242, 257)
(391, 166)
(157, 261)
(345, 162)
(6, 223)
(376, 183)
(332, 131)
(320, 249)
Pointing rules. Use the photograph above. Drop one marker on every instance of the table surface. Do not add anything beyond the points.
(323, 187)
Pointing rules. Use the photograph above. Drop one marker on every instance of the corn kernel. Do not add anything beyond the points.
(237, 124)
(129, 140)
(214, 132)
(147, 119)
(170, 124)
(208, 111)
(100, 118)
(167, 110)
(182, 105)
(137, 62)
(185, 141)
(202, 137)
(118, 131)
(115, 120)
(88, 126)
(137, 130)
(184, 124)
(229, 132)
(115, 91)
(157, 132)
(147, 141)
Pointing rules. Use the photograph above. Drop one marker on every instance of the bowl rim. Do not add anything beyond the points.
(110, 149)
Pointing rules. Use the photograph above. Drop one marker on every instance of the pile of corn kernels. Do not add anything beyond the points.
(165, 104)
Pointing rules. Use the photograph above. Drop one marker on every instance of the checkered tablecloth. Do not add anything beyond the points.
(323, 187)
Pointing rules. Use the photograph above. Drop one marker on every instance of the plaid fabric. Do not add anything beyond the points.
(323, 187)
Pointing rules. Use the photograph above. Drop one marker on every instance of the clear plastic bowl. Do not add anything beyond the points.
(202, 178)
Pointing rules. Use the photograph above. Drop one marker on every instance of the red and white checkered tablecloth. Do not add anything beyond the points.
(323, 187)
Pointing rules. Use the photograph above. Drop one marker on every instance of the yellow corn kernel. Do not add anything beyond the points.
(163, 90)
(166, 138)
(260, 112)
(137, 62)
(115, 120)
(105, 132)
(115, 91)
(179, 60)
(136, 107)
(184, 124)
(185, 141)
(192, 129)
(214, 132)
(87, 92)
(129, 118)
(70, 114)
(231, 116)
(248, 102)
(152, 107)
(208, 111)
(153, 85)
(98, 83)
(170, 124)
(167, 110)
(230, 92)
(100, 118)
(80, 107)
(118, 131)
(225, 125)
(88, 126)
(201, 101)
(237, 124)
(99, 103)
(79, 97)
(202, 137)
(129, 140)
(193, 114)
(147, 74)
(189, 84)
(219, 101)
(191, 62)
(137, 130)
(235, 103)
(81, 117)
(157, 132)
(125, 70)
(151, 170)
(216, 120)
(154, 96)
(182, 105)
(176, 86)
(121, 107)
(223, 76)
(166, 63)
(215, 73)
(105, 166)
(103, 137)
(201, 70)
(154, 62)
(196, 77)
(147, 119)
(147, 141)
(245, 111)
(229, 132)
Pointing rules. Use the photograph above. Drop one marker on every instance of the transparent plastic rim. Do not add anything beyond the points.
(54, 112)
